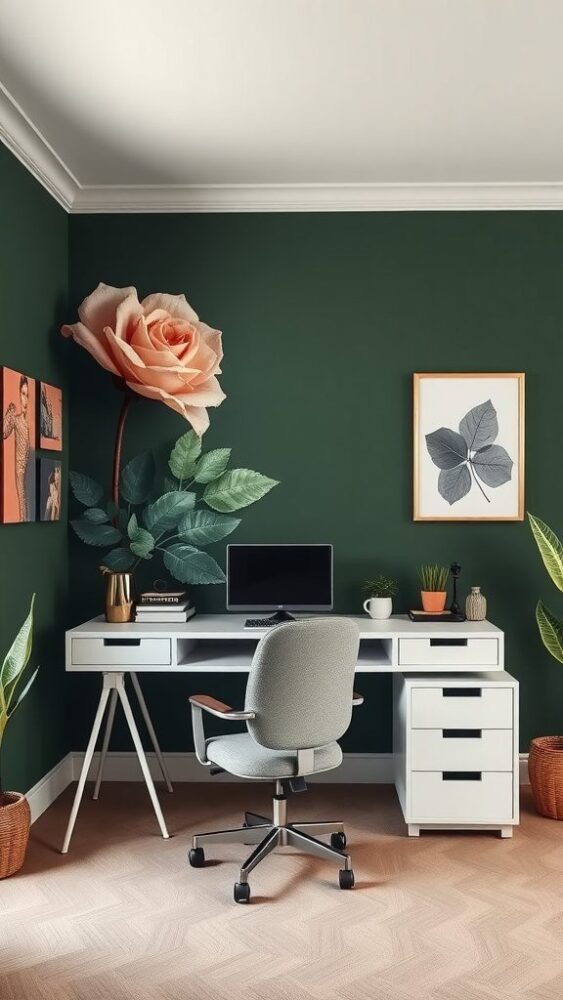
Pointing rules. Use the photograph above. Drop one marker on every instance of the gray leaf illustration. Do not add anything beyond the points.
(479, 427)
(493, 465)
(453, 484)
(446, 448)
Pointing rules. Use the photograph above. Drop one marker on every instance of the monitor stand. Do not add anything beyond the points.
(281, 616)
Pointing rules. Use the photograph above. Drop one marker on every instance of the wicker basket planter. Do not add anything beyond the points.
(15, 820)
(545, 765)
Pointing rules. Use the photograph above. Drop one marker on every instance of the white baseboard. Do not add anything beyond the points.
(356, 768)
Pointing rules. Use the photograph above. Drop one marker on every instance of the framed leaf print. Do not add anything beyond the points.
(468, 446)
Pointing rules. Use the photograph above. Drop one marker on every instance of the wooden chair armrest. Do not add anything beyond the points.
(218, 708)
(357, 699)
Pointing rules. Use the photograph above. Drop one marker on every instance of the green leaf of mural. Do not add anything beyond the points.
(202, 527)
(96, 515)
(188, 565)
(237, 488)
(164, 513)
(142, 542)
(184, 455)
(17, 657)
(493, 465)
(119, 560)
(212, 465)
(479, 427)
(137, 478)
(96, 534)
(551, 631)
(550, 549)
(171, 484)
(446, 448)
(87, 491)
(453, 484)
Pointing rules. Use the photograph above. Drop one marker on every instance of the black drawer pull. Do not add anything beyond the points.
(461, 775)
(448, 642)
(462, 734)
(122, 642)
(459, 692)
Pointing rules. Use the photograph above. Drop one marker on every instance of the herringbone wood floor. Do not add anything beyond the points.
(122, 917)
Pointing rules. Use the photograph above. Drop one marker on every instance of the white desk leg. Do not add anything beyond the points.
(108, 684)
(141, 755)
(105, 744)
(150, 730)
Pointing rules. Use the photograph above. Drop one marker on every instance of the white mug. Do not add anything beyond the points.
(378, 607)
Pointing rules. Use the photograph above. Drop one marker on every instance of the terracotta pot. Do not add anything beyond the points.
(545, 767)
(433, 600)
(15, 820)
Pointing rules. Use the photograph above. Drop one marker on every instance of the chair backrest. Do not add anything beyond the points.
(301, 683)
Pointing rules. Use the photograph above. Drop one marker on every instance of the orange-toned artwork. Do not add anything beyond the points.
(17, 398)
(50, 417)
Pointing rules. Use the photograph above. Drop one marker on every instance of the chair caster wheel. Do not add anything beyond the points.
(241, 892)
(196, 857)
(338, 841)
(346, 878)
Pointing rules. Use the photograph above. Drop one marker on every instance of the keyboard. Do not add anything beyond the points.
(259, 623)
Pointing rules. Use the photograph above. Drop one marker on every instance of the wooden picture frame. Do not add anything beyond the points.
(18, 444)
(468, 446)
(50, 417)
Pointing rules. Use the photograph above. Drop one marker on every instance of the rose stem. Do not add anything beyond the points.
(127, 400)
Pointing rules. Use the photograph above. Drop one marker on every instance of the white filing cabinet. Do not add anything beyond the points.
(455, 745)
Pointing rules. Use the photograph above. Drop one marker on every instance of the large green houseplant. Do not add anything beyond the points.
(14, 807)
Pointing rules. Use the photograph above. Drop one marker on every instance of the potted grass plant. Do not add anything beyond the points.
(380, 593)
(434, 582)
(15, 816)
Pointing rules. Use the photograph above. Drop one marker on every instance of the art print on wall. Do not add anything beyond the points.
(18, 409)
(469, 446)
(50, 417)
(50, 476)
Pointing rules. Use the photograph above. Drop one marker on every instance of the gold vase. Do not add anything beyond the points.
(120, 597)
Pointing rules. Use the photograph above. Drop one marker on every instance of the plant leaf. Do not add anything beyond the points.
(237, 488)
(171, 484)
(17, 657)
(96, 534)
(453, 484)
(184, 455)
(551, 631)
(493, 465)
(446, 448)
(202, 527)
(137, 478)
(119, 560)
(551, 549)
(189, 565)
(23, 692)
(164, 513)
(479, 427)
(87, 491)
(96, 515)
(142, 542)
(212, 465)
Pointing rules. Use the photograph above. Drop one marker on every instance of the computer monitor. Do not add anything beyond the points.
(279, 578)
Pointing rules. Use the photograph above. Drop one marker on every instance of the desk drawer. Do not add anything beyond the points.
(449, 651)
(458, 707)
(450, 796)
(462, 750)
(117, 651)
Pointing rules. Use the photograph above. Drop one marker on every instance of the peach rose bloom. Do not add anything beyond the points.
(158, 346)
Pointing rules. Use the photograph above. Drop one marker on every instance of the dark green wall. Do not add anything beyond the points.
(34, 557)
(325, 317)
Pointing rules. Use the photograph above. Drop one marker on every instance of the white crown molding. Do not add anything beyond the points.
(25, 141)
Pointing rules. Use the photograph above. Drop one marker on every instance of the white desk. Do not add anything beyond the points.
(439, 656)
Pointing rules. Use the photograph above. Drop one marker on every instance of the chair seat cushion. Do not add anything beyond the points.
(240, 754)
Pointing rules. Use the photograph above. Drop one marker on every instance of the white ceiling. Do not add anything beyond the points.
(338, 93)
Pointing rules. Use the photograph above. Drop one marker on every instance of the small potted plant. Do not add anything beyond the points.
(380, 591)
(434, 580)
(15, 816)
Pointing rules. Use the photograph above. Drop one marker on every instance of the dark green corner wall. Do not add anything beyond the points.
(325, 317)
(34, 557)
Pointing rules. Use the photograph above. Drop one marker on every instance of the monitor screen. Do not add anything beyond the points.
(264, 577)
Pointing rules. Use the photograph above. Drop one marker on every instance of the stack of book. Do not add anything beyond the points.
(164, 606)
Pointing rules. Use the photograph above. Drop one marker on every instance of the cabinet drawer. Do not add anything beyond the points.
(458, 707)
(437, 797)
(461, 750)
(444, 652)
(120, 652)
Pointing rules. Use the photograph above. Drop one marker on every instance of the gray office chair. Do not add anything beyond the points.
(298, 703)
